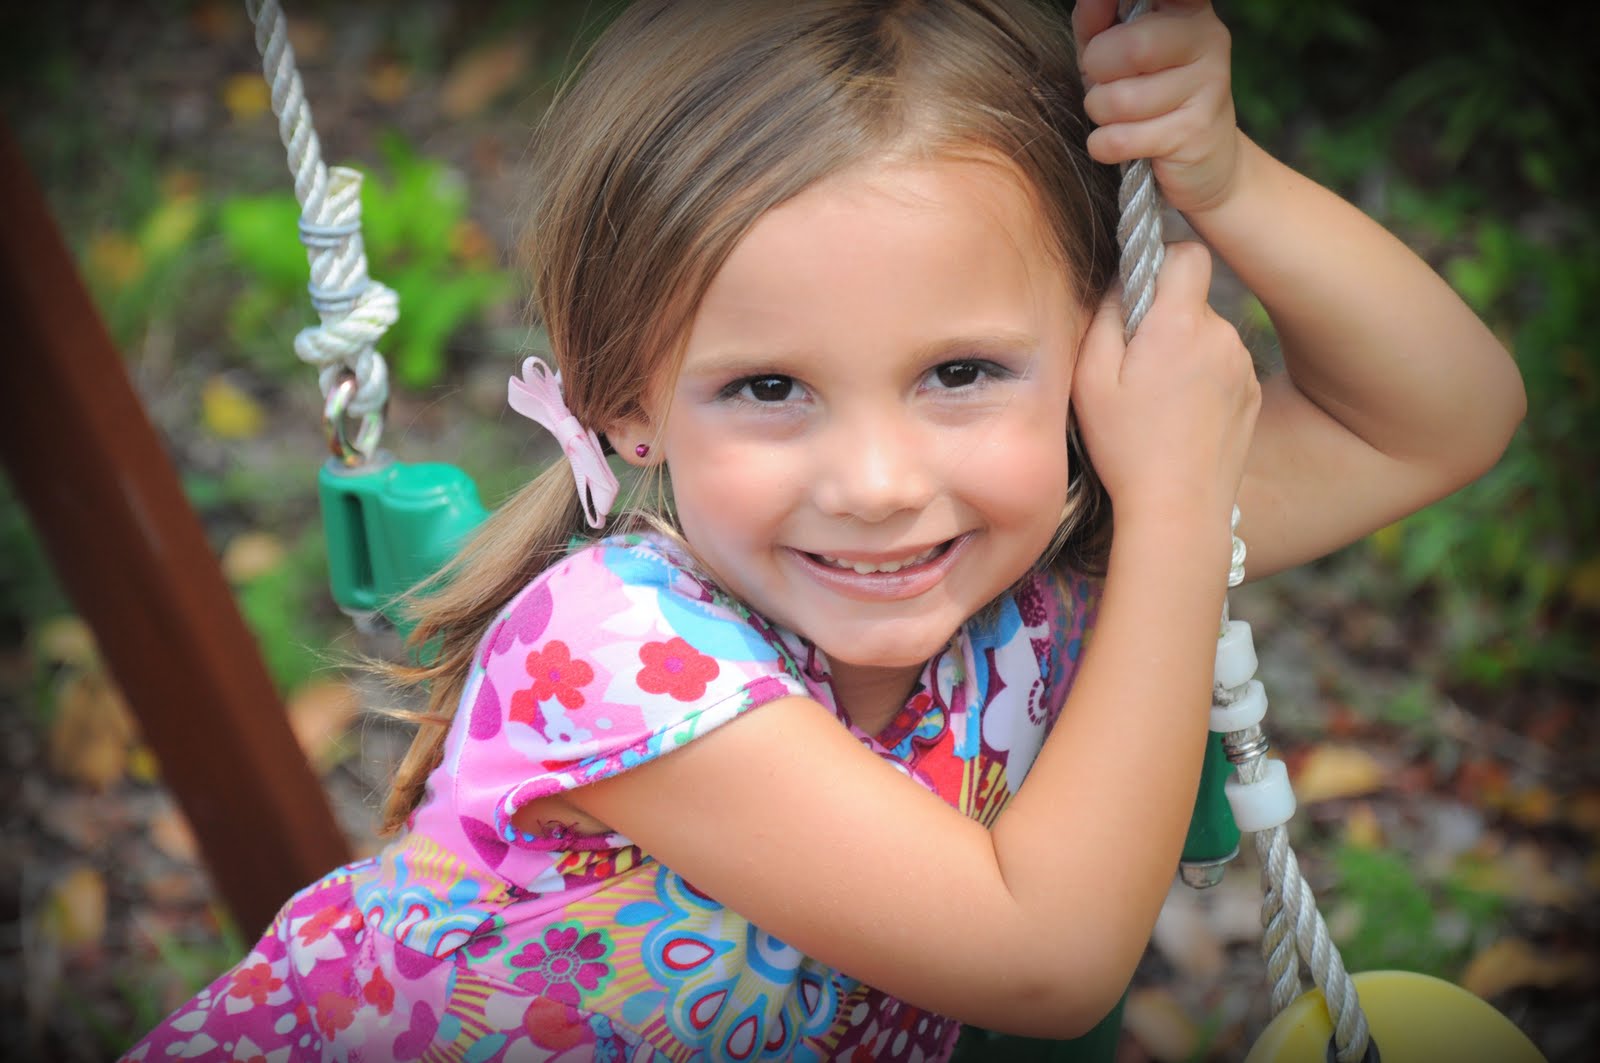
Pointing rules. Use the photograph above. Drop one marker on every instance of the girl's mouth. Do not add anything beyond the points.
(868, 568)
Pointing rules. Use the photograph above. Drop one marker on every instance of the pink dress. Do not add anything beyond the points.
(469, 940)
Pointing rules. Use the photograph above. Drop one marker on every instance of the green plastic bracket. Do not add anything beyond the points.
(391, 524)
(1213, 837)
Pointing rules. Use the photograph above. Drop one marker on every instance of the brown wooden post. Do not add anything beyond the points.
(106, 500)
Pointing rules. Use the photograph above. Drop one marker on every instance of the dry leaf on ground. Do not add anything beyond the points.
(66, 640)
(251, 554)
(74, 915)
(1330, 772)
(482, 75)
(170, 832)
(1157, 1021)
(1511, 963)
(1522, 872)
(92, 730)
(229, 413)
(1361, 827)
(246, 96)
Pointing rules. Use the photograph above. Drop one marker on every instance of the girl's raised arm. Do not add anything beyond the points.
(1394, 394)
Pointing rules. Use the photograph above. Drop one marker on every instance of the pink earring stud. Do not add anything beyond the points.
(642, 449)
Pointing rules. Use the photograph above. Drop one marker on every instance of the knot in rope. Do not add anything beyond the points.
(355, 310)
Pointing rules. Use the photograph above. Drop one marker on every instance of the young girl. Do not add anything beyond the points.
(814, 762)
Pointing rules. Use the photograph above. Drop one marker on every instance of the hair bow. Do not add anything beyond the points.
(537, 396)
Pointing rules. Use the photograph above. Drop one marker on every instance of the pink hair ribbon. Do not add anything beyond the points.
(537, 396)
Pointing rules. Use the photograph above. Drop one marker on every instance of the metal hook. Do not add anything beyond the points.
(335, 419)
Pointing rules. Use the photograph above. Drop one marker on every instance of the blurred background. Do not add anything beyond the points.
(1434, 688)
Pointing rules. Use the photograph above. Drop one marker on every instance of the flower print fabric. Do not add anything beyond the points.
(468, 939)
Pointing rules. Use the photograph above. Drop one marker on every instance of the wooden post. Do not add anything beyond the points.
(106, 500)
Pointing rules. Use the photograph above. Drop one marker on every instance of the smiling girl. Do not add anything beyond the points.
(807, 754)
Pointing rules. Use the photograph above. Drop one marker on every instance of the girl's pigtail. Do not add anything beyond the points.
(452, 609)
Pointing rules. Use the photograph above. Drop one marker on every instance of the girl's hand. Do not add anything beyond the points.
(1167, 418)
(1159, 88)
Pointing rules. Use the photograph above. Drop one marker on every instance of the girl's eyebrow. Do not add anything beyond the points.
(995, 342)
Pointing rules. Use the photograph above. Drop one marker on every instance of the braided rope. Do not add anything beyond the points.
(355, 310)
(1292, 927)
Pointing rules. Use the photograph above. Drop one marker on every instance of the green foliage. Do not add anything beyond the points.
(412, 225)
(1405, 923)
(1468, 131)
(281, 607)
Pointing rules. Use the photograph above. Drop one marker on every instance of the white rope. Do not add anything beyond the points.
(355, 310)
(1293, 930)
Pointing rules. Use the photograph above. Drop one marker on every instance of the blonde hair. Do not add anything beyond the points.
(687, 122)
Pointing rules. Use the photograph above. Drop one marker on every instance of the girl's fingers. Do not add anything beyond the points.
(1090, 18)
(1185, 277)
(1162, 39)
(1100, 353)
(1156, 138)
(1141, 98)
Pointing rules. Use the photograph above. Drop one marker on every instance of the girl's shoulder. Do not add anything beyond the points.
(626, 588)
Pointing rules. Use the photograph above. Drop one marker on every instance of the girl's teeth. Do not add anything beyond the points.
(867, 569)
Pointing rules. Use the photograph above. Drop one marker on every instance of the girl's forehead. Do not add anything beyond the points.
(897, 210)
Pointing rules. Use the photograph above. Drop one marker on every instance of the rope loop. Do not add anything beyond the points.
(355, 310)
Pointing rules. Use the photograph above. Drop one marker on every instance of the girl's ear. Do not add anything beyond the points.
(635, 440)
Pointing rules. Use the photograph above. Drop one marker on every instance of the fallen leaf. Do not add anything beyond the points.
(75, 912)
(228, 412)
(246, 96)
(170, 832)
(91, 732)
(143, 765)
(470, 244)
(1583, 584)
(1482, 781)
(1511, 963)
(170, 226)
(114, 259)
(172, 889)
(319, 714)
(308, 37)
(1361, 827)
(1157, 1021)
(481, 75)
(216, 21)
(1534, 805)
(251, 554)
(66, 640)
(1522, 872)
(1583, 811)
(388, 81)
(1331, 772)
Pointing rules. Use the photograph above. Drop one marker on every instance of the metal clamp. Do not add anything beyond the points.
(336, 420)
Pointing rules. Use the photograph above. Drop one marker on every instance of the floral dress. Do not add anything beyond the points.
(468, 939)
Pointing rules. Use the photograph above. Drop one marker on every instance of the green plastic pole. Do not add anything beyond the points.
(1213, 839)
(391, 524)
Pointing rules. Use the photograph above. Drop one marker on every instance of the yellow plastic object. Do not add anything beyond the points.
(1413, 1019)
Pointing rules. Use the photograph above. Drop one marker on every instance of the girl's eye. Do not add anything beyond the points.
(953, 375)
(763, 389)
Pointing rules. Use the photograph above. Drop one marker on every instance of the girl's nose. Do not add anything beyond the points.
(874, 467)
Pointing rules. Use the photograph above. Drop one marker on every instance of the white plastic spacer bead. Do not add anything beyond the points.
(1236, 655)
(1264, 804)
(1248, 710)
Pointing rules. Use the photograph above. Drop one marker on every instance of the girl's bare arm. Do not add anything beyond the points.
(1393, 393)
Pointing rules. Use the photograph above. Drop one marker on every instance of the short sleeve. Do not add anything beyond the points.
(612, 657)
